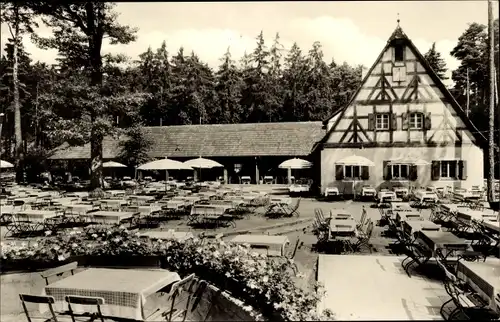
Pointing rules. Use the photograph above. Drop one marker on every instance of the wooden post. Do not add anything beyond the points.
(256, 171)
(289, 172)
(225, 176)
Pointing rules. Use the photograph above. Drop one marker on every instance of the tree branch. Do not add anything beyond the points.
(77, 19)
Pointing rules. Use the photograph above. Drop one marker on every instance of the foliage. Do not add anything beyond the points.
(436, 62)
(261, 282)
(135, 148)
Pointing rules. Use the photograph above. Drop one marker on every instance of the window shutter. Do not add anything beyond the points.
(462, 170)
(371, 122)
(387, 170)
(427, 121)
(394, 122)
(435, 169)
(404, 118)
(365, 173)
(413, 173)
(339, 172)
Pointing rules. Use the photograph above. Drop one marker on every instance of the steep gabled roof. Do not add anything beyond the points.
(399, 36)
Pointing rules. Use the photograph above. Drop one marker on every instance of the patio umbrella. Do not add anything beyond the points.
(202, 163)
(113, 164)
(355, 160)
(5, 164)
(165, 164)
(294, 163)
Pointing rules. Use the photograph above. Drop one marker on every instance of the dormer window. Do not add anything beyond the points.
(398, 53)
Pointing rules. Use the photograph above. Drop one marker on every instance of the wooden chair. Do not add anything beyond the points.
(85, 300)
(363, 218)
(290, 212)
(59, 271)
(467, 303)
(180, 294)
(417, 254)
(39, 299)
(363, 238)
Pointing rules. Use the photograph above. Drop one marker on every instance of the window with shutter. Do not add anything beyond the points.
(462, 170)
(382, 121)
(339, 172)
(415, 120)
(394, 122)
(387, 170)
(428, 122)
(404, 119)
(371, 122)
(435, 170)
(413, 173)
(365, 173)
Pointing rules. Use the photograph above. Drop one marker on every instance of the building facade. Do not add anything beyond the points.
(402, 110)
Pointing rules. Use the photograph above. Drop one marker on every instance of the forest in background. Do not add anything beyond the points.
(87, 95)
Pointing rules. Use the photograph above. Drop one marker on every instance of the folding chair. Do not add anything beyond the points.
(363, 218)
(363, 239)
(180, 296)
(417, 254)
(39, 299)
(289, 212)
(85, 300)
(59, 271)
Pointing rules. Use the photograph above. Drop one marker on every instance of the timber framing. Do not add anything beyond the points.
(399, 37)
(392, 145)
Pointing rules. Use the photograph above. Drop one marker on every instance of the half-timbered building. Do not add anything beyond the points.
(402, 111)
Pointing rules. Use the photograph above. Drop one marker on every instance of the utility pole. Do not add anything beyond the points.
(491, 132)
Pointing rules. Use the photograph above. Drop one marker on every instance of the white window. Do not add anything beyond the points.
(400, 171)
(352, 171)
(416, 121)
(449, 169)
(382, 121)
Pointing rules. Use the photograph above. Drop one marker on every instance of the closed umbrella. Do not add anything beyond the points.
(294, 163)
(202, 163)
(5, 164)
(165, 164)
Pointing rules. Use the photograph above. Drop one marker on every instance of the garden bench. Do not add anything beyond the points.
(59, 271)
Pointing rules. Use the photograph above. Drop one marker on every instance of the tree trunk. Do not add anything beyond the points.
(95, 64)
(18, 146)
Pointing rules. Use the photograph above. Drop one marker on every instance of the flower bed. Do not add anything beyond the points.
(258, 281)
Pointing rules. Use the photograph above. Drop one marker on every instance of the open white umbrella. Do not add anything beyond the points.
(356, 160)
(202, 163)
(294, 163)
(5, 164)
(165, 164)
(113, 164)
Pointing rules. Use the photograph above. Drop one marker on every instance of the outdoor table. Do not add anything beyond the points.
(284, 201)
(175, 204)
(128, 293)
(111, 217)
(408, 216)
(272, 245)
(299, 188)
(386, 195)
(8, 210)
(412, 226)
(113, 202)
(332, 191)
(80, 208)
(469, 214)
(483, 277)
(245, 180)
(493, 225)
(26, 200)
(209, 209)
(450, 207)
(141, 198)
(168, 234)
(401, 206)
(190, 199)
(116, 193)
(435, 240)
(467, 195)
(368, 192)
(64, 201)
(344, 226)
(422, 195)
(149, 209)
(36, 215)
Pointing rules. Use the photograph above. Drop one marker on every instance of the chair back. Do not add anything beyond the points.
(292, 254)
(363, 217)
(59, 271)
(38, 299)
(85, 300)
(296, 205)
(180, 286)
(319, 214)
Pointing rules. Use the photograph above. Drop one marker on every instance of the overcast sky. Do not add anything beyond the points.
(354, 32)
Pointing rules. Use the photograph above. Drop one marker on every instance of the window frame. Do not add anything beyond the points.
(447, 164)
(400, 167)
(352, 167)
(382, 115)
(413, 118)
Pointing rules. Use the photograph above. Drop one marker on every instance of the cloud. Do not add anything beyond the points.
(341, 39)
